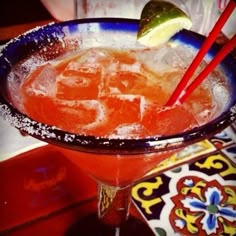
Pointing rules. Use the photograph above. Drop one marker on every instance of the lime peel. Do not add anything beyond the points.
(159, 21)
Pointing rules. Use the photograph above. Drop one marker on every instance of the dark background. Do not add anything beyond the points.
(13, 12)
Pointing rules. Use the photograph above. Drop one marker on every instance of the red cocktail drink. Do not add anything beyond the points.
(113, 93)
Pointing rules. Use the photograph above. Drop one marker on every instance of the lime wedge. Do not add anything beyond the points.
(159, 21)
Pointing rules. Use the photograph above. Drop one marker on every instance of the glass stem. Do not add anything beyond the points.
(113, 204)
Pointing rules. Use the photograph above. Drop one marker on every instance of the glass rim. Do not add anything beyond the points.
(84, 143)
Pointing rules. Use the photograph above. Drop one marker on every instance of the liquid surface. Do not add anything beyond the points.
(111, 93)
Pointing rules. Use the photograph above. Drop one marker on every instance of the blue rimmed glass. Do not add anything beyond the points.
(100, 156)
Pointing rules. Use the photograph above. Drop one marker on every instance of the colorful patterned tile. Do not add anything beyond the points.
(194, 199)
(191, 152)
(230, 151)
(222, 139)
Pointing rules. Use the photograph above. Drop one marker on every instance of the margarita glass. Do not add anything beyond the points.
(116, 163)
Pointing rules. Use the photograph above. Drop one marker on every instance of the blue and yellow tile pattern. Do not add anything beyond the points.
(197, 198)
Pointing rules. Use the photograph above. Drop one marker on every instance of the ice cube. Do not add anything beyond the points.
(123, 82)
(95, 55)
(41, 82)
(129, 131)
(78, 115)
(166, 58)
(121, 109)
(168, 120)
(78, 81)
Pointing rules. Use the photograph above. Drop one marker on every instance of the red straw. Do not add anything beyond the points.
(208, 69)
(203, 50)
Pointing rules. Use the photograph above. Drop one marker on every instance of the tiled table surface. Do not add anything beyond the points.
(197, 198)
